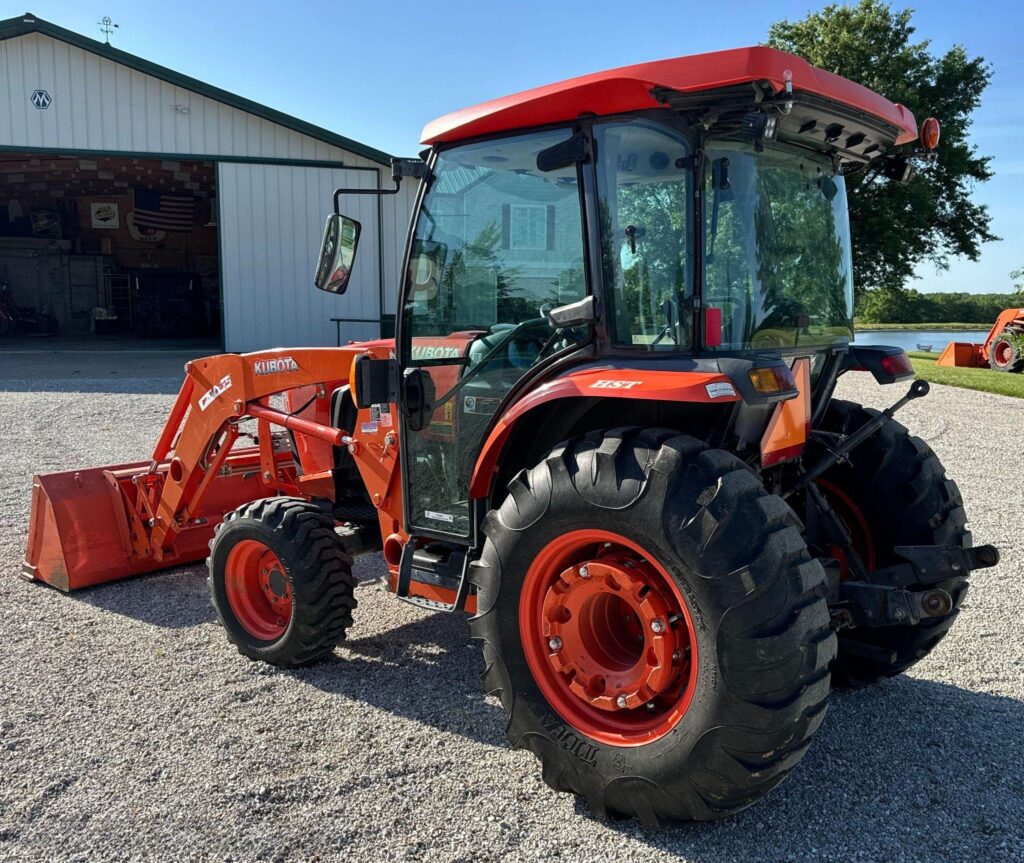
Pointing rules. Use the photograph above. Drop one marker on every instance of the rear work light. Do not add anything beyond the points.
(897, 365)
(771, 380)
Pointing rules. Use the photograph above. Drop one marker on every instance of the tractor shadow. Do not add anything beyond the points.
(176, 599)
(426, 668)
(908, 769)
(403, 660)
(911, 768)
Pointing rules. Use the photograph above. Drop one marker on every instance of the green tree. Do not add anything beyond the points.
(932, 218)
(890, 306)
(1018, 280)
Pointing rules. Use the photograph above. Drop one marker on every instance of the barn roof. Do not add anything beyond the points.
(29, 23)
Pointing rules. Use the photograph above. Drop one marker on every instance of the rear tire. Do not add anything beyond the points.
(900, 490)
(760, 623)
(281, 582)
(1004, 354)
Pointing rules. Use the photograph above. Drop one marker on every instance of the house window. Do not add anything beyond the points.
(528, 227)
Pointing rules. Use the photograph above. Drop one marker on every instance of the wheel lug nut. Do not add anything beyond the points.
(657, 625)
(584, 572)
(555, 643)
(677, 655)
(621, 701)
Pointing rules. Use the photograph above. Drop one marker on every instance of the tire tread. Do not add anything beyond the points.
(775, 593)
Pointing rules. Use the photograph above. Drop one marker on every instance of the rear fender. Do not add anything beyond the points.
(695, 387)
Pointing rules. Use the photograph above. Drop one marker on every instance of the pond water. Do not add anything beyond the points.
(910, 339)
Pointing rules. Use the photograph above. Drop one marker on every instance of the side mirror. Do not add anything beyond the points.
(337, 252)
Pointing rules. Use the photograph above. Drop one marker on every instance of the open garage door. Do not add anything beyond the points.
(107, 251)
(271, 222)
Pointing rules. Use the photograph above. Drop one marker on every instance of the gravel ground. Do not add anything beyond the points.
(130, 729)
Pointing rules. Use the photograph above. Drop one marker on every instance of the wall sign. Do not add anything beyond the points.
(41, 99)
(105, 215)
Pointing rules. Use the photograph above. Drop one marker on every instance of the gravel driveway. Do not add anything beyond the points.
(130, 729)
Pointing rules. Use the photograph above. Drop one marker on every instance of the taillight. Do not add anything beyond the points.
(897, 365)
(771, 380)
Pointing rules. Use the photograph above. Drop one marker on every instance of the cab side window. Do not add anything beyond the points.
(644, 179)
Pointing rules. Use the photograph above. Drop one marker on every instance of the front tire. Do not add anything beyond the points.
(281, 582)
(722, 732)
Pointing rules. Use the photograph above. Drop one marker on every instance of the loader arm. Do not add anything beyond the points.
(101, 524)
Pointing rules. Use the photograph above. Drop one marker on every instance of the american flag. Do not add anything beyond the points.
(163, 212)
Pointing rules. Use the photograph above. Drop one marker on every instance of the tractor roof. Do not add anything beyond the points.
(653, 85)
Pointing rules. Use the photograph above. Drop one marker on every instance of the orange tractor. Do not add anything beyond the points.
(1002, 350)
(606, 429)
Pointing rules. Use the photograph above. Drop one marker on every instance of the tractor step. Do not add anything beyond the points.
(437, 565)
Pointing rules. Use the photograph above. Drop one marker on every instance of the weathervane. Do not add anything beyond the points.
(107, 26)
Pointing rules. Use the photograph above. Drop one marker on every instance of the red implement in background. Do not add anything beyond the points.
(997, 350)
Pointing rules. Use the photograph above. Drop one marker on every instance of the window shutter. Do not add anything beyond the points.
(551, 227)
(506, 226)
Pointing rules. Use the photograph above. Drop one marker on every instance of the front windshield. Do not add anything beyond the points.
(777, 264)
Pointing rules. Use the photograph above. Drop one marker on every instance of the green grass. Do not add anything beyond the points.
(984, 380)
(944, 328)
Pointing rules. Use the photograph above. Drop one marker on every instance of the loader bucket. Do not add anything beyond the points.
(962, 355)
(85, 528)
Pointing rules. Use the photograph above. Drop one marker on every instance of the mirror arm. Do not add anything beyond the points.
(339, 192)
(400, 168)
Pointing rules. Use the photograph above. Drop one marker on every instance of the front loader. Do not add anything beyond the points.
(605, 428)
(1002, 350)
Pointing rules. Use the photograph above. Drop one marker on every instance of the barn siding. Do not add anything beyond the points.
(271, 216)
(99, 104)
(269, 298)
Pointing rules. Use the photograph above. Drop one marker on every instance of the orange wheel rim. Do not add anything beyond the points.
(861, 538)
(258, 590)
(1004, 353)
(608, 637)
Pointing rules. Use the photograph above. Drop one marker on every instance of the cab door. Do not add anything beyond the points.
(497, 243)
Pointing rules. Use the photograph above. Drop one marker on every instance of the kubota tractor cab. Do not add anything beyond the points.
(606, 428)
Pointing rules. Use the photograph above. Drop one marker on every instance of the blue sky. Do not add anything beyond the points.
(377, 72)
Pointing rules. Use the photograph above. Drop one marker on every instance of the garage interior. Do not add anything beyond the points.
(116, 250)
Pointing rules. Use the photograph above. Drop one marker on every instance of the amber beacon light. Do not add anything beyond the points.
(930, 133)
